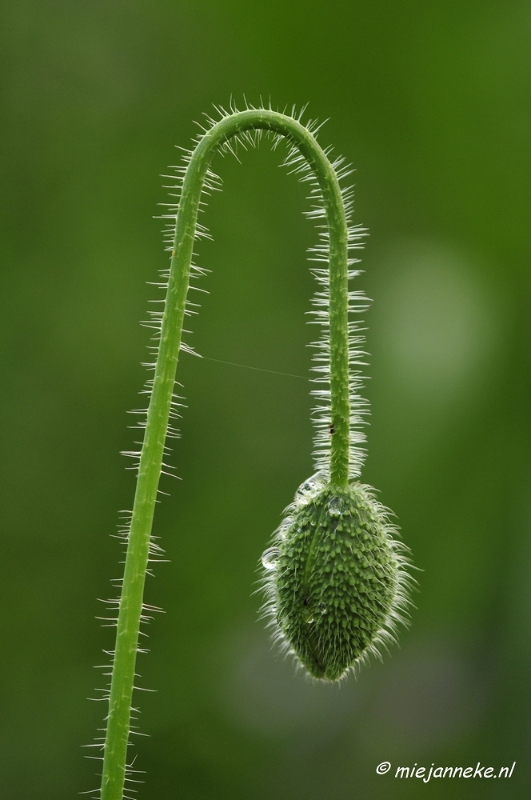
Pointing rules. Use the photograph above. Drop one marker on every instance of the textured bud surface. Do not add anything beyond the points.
(335, 578)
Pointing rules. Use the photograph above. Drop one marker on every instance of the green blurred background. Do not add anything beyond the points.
(430, 100)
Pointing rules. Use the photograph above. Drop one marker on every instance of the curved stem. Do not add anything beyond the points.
(122, 683)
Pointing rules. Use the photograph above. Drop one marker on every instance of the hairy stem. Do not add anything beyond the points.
(130, 609)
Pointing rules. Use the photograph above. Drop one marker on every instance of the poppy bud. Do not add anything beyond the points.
(335, 578)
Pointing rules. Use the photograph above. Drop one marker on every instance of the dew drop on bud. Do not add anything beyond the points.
(335, 506)
(269, 558)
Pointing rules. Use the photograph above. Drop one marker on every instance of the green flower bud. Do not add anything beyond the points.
(335, 578)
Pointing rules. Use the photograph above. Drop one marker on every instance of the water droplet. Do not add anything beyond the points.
(269, 558)
(305, 488)
(335, 506)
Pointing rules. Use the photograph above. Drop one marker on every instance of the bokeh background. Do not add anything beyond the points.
(430, 100)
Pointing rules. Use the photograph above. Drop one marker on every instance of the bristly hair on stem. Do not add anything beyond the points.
(297, 164)
(335, 580)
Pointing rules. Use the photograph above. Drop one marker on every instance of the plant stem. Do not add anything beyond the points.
(130, 609)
